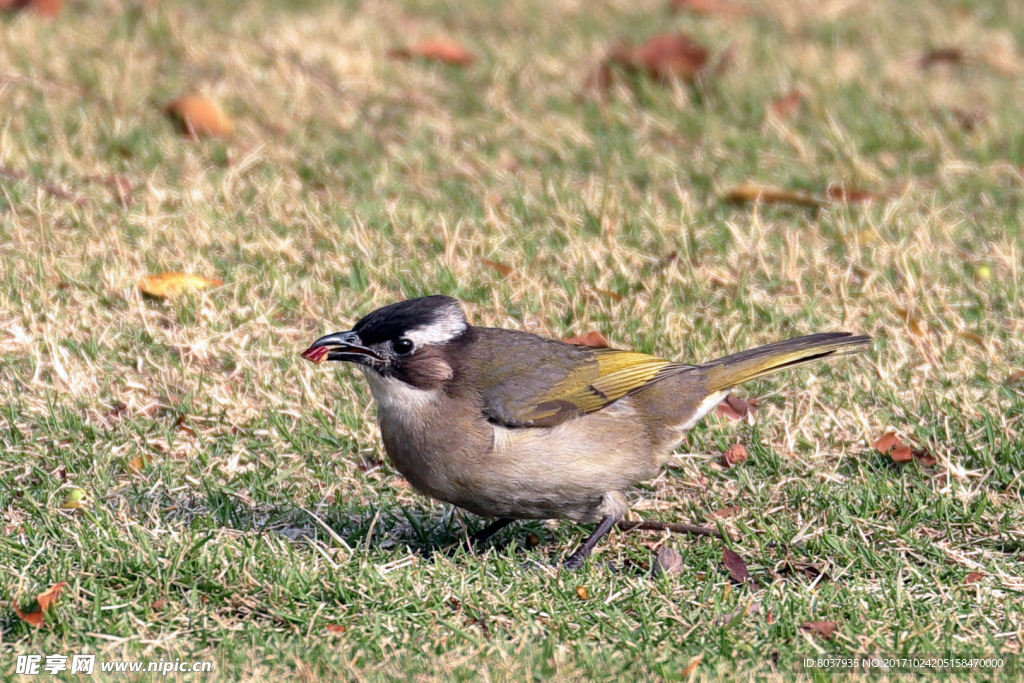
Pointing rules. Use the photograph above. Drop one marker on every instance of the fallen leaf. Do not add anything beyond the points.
(122, 188)
(725, 513)
(199, 117)
(914, 324)
(44, 602)
(532, 540)
(692, 666)
(1015, 377)
(787, 106)
(667, 563)
(825, 629)
(45, 8)
(74, 499)
(335, 628)
(159, 605)
(708, 7)
(664, 58)
(734, 455)
(971, 337)
(136, 464)
(887, 442)
(592, 338)
(504, 270)
(582, 593)
(615, 296)
(942, 55)
(765, 194)
(844, 195)
(444, 51)
(737, 408)
(168, 285)
(737, 567)
(901, 454)
(973, 577)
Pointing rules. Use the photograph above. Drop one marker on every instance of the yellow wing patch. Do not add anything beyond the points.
(593, 386)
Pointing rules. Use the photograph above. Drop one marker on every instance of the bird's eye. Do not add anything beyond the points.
(402, 346)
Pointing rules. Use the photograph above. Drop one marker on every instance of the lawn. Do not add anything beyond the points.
(208, 495)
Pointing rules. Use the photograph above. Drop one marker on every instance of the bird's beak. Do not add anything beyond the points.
(340, 346)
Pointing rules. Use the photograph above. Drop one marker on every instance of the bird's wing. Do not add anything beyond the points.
(563, 385)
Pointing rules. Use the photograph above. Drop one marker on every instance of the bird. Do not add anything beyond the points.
(510, 425)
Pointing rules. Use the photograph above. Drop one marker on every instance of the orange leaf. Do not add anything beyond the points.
(974, 577)
(725, 513)
(736, 408)
(787, 106)
(45, 601)
(582, 593)
(692, 666)
(444, 51)
(592, 338)
(765, 194)
(136, 464)
(168, 285)
(663, 58)
(45, 8)
(887, 442)
(901, 454)
(199, 117)
(843, 195)
(504, 270)
(825, 629)
(335, 628)
(734, 455)
(707, 7)
(1015, 377)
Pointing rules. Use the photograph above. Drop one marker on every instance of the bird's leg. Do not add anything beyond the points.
(489, 530)
(580, 554)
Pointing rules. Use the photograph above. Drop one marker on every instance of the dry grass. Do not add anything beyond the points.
(352, 181)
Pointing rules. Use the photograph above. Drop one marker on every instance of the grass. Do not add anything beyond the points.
(265, 510)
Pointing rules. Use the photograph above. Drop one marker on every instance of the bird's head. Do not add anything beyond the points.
(410, 341)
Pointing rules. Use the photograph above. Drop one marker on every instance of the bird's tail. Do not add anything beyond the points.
(744, 366)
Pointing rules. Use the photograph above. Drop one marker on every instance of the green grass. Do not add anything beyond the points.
(265, 509)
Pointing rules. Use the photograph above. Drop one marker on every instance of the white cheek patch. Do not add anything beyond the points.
(442, 330)
(394, 395)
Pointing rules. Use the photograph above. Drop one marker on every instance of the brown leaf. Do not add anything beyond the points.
(199, 117)
(901, 454)
(942, 55)
(44, 601)
(736, 408)
(764, 194)
(667, 563)
(734, 455)
(1015, 377)
(972, 337)
(592, 338)
(138, 463)
(692, 666)
(915, 325)
(708, 7)
(787, 106)
(122, 188)
(725, 513)
(664, 58)
(44, 8)
(168, 285)
(582, 593)
(737, 567)
(444, 51)
(159, 605)
(973, 577)
(924, 457)
(335, 628)
(825, 629)
(887, 442)
(532, 540)
(844, 195)
(504, 270)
